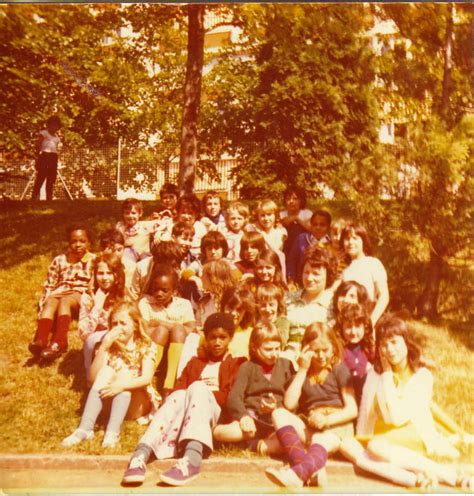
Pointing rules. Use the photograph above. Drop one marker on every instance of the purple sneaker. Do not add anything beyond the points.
(136, 472)
(182, 473)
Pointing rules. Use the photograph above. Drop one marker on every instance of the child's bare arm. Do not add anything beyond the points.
(119, 385)
(345, 414)
(293, 393)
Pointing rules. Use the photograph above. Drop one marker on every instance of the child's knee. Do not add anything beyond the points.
(178, 334)
(379, 449)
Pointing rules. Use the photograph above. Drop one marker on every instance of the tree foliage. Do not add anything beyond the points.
(294, 99)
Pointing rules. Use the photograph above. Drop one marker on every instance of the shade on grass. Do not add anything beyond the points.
(40, 407)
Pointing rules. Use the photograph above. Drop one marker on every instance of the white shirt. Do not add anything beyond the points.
(368, 271)
(50, 142)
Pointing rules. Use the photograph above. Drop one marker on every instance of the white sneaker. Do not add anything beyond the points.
(110, 440)
(285, 477)
(76, 437)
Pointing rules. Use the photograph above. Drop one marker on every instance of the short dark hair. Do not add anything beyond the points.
(321, 257)
(170, 189)
(79, 226)
(110, 236)
(299, 192)
(322, 213)
(129, 203)
(360, 231)
(214, 238)
(53, 120)
(167, 252)
(180, 228)
(219, 320)
(162, 270)
(189, 200)
(211, 194)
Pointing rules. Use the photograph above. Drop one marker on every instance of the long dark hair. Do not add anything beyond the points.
(114, 263)
(390, 325)
(356, 314)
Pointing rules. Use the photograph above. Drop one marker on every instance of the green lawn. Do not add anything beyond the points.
(40, 406)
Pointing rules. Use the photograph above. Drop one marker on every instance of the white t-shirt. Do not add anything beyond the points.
(179, 311)
(368, 271)
(210, 375)
(50, 142)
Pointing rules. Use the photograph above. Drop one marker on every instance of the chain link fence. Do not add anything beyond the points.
(114, 172)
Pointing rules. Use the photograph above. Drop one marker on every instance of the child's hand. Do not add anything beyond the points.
(111, 390)
(247, 424)
(247, 277)
(304, 360)
(268, 404)
(110, 338)
(318, 420)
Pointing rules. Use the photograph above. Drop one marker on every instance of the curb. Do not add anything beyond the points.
(119, 462)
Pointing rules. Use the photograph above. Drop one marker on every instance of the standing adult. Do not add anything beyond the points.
(47, 157)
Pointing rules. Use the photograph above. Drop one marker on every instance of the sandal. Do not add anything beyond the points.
(425, 480)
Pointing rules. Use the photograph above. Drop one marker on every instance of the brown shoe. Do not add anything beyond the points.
(35, 348)
(52, 352)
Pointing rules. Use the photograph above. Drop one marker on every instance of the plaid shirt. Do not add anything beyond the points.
(65, 277)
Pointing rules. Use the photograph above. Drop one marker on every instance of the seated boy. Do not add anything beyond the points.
(137, 233)
(236, 219)
(183, 425)
(212, 206)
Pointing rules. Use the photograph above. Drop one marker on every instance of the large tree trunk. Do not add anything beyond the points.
(428, 301)
(192, 98)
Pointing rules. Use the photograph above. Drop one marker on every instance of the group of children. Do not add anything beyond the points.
(274, 332)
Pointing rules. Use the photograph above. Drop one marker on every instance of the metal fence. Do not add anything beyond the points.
(114, 172)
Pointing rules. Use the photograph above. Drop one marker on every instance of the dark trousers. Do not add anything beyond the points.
(46, 169)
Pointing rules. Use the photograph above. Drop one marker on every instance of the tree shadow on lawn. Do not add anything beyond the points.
(461, 331)
(29, 229)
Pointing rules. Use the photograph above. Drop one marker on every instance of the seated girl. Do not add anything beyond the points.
(217, 277)
(95, 306)
(124, 363)
(355, 329)
(319, 409)
(314, 302)
(251, 244)
(397, 434)
(170, 318)
(257, 391)
(69, 276)
(271, 308)
(267, 269)
(182, 427)
(238, 302)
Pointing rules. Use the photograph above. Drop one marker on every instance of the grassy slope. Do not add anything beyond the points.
(41, 406)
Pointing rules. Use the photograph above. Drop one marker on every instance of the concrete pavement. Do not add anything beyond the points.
(102, 474)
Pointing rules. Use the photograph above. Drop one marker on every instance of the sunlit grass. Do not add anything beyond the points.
(40, 406)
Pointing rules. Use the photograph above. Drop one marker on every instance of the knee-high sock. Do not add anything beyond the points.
(91, 410)
(194, 451)
(43, 331)
(120, 404)
(291, 444)
(174, 353)
(62, 328)
(314, 460)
